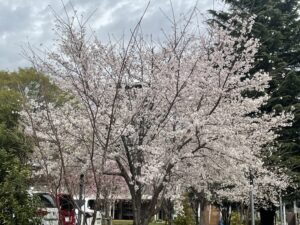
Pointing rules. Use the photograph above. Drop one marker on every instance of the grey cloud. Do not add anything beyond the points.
(32, 21)
(14, 19)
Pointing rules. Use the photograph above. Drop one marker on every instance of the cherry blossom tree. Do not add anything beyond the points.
(155, 108)
(228, 182)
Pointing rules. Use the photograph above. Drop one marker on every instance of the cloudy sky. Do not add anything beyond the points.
(31, 21)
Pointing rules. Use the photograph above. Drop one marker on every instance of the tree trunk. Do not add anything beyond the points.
(198, 213)
(168, 208)
(107, 216)
(267, 216)
(203, 205)
(242, 216)
(226, 214)
(143, 213)
(136, 204)
(247, 215)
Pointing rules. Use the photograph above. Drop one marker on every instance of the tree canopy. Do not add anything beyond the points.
(16, 206)
(277, 26)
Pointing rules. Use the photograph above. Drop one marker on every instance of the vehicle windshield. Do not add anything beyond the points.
(91, 204)
(66, 202)
(46, 200)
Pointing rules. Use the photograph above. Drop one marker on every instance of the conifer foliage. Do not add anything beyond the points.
(277, 26)
(16, 206)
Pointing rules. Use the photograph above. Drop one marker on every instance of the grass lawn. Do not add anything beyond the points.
(129, 222)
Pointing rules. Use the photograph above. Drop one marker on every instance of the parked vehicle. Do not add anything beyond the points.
(88, 209)
(47, 208)
(66, 207)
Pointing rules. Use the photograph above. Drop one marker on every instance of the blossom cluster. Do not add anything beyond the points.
(168, 115)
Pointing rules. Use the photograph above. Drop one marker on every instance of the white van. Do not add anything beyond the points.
(47, 209)
(88, 209)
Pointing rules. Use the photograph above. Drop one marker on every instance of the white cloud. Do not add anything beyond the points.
(23, 21)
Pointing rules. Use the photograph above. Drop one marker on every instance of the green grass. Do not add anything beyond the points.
(129, 222)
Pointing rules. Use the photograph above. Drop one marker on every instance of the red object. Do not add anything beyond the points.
(66, 209)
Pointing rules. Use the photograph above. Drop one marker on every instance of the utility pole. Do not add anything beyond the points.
(252, 207)
(81, 184)
(281, 210)
(252, 199)
(284, 213)
(295, 212)
(198, 213)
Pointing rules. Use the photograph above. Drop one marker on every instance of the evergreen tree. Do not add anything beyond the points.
(277, 25)
(186, 217)
(16, 206)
